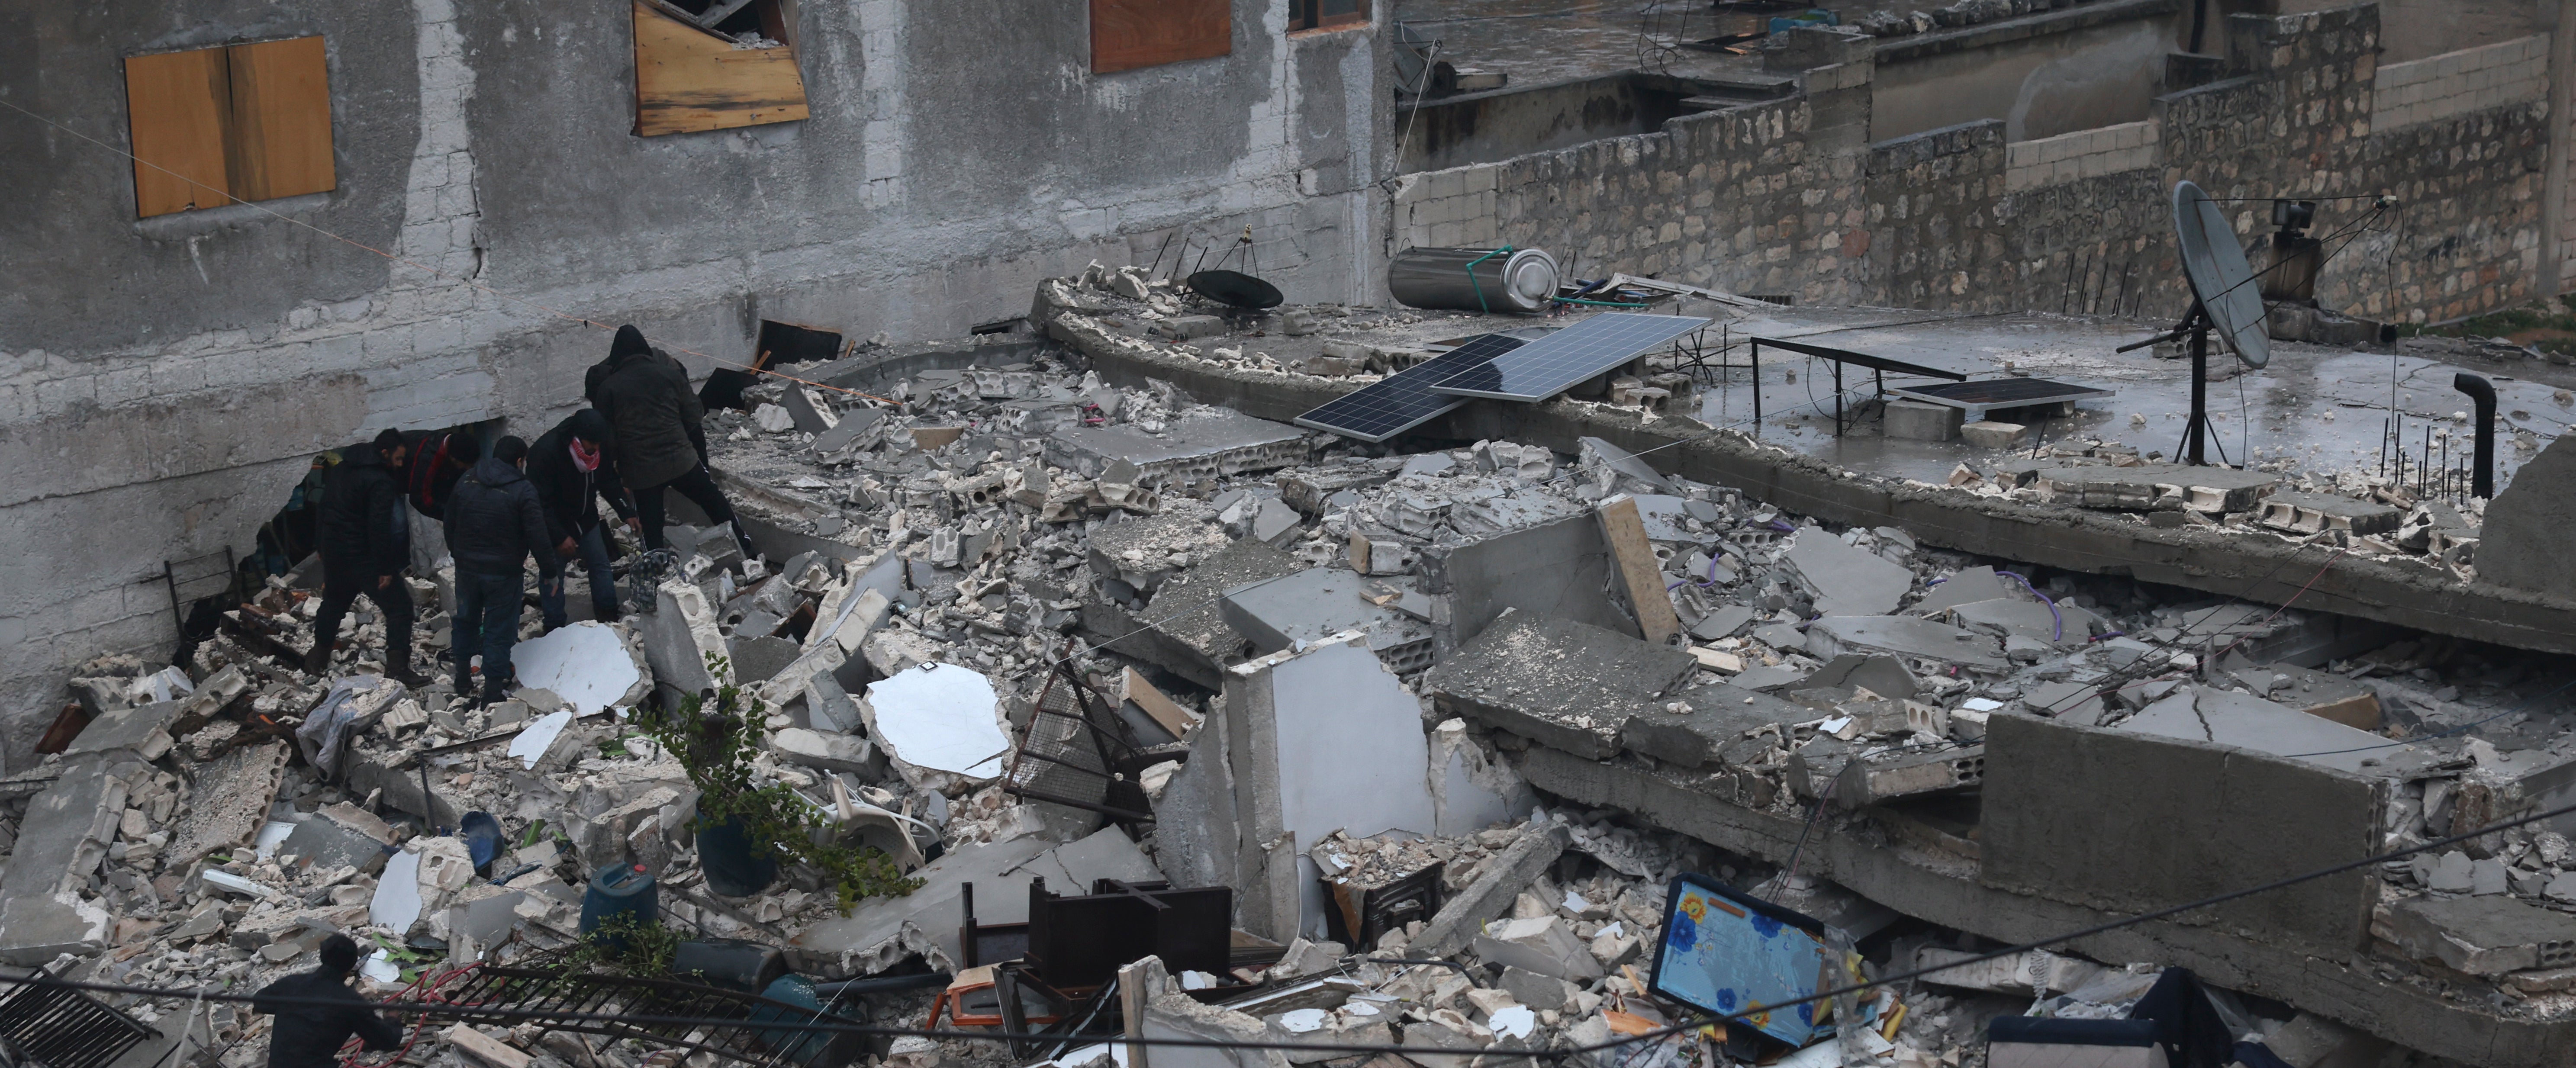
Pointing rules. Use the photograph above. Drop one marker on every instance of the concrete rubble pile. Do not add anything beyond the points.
(1448, 725)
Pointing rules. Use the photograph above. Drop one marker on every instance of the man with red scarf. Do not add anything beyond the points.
(573, 467)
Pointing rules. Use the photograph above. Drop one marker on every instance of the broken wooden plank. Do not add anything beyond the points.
(1625, 530)
(687, 79)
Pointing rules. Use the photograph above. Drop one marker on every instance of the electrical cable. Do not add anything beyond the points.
(1554, 1054)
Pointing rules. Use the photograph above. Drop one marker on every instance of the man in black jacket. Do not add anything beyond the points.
(317, 1012)
(660, 440)
(572, 467)
(494, 523)
(362, 536)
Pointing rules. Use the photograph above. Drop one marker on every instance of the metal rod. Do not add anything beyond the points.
(2198, 426)
(1838, 396)
(1757, 387)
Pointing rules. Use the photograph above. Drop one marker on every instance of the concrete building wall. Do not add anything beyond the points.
(164, 381)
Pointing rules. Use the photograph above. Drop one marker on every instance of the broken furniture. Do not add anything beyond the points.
(1077, 750)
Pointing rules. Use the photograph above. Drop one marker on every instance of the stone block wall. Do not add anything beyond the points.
(2456, 83)
(2093, 153)
(1766, 199)
(1729, 199)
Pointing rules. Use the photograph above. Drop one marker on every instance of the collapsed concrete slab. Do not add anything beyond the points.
(61, 840)
(1843, 580)
(1305, 744)
(1911, 636)
(2130, 820)
(1556, 681)
(2530, 529)
(1191, 449)
(2229, 718)
(2482, 935)
(1311, 605)
(1183, 629)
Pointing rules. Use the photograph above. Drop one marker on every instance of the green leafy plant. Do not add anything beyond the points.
(627, 944)
(715, 738)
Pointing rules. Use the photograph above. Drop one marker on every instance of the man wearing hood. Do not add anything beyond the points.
(660, 440)
(361, 535)
(494, 523)
(572, 467)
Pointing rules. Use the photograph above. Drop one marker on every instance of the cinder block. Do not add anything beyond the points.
(1910, 420)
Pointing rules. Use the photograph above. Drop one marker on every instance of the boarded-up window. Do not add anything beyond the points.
(1127, 34)
(217, 125)
(691, 78)
(1326, 14)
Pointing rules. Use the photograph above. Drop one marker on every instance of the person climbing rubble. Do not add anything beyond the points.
(494, 523)
(661, 439)
(572, 467)
(309, 1033)
(362, 540)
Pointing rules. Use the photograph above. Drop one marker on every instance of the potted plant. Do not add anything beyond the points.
(749, 822)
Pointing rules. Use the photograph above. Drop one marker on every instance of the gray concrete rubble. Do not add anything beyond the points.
(1399, 700)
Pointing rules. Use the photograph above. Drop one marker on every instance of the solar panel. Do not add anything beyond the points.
(1557, 362)
(1403, 400)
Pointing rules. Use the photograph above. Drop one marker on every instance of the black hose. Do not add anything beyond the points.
(881, 984)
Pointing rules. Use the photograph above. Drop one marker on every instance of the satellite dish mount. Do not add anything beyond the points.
(2224, 300)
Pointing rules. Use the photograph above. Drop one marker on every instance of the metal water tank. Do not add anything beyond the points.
(1503, 280)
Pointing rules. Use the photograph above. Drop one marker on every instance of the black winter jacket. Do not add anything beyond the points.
(570, 493)
(494, 522)
(645, 395)
(309, 1036)
(361, 507)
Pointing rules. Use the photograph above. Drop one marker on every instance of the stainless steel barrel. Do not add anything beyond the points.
(1520, 280)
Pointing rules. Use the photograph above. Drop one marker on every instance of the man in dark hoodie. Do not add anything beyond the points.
(660, 443)
(317, 1012)
(362, 536)
(572, 467)
(494, 523)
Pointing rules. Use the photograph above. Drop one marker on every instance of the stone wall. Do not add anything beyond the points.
(1771, 199)
(2129, 146)
(2471, 79)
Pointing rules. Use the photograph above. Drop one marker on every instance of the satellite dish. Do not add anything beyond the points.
(2220, 277)
(1236, 289)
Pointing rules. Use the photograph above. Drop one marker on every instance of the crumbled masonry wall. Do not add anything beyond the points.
(163, 381)
(1761, 199)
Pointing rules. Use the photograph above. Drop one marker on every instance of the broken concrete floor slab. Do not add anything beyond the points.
(1557, 681)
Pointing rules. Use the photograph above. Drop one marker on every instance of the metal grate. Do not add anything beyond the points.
(560, 990)
(52, 1027)
(1076, 751)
